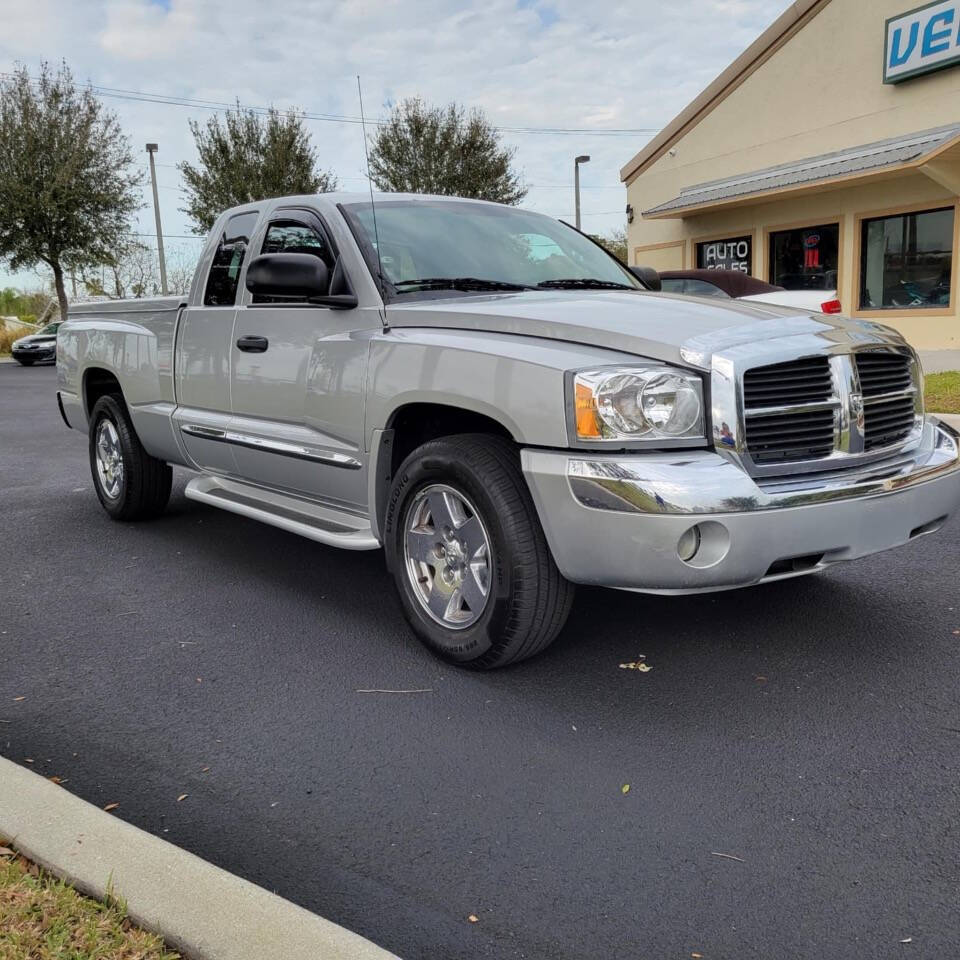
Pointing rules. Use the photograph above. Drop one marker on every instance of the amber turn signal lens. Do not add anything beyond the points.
(587, 425)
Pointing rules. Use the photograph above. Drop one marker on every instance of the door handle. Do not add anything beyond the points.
(253, 344)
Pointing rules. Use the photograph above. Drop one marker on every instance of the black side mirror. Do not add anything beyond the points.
(647, 276)
(299, 277)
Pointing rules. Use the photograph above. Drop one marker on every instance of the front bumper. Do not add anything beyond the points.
(617, 520)
(38, 354)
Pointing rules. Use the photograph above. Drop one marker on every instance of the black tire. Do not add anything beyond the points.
(25, 363)
(144, 484)
(528, 599)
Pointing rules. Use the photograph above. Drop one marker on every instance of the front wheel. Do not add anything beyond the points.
(25, 363)
(475, 575)
(130, 484)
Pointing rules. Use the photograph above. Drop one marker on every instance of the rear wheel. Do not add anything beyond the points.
(475, 575)
(130, 484)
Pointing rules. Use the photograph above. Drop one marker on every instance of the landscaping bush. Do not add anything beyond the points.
(8, 333)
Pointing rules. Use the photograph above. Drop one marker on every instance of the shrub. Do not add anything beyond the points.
(8, 333)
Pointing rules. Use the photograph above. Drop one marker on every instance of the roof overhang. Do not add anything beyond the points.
(793, 19)
(929, 152)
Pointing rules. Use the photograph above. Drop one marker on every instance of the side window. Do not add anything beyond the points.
(224, 276)
(296, 238)
(700, 288)
(290, 236)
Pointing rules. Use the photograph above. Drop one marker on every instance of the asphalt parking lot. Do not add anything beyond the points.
(808, 731)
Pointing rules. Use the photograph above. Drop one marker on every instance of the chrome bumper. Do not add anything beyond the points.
(617, 520)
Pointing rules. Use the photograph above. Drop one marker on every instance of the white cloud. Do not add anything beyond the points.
(542, 63)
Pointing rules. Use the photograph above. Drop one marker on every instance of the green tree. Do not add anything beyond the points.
(67, 188)
(13, 303)
(444, 150)
(616, 242)
(249, 156)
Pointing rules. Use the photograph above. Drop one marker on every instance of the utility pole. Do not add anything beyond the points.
(576, 182)
(152, 149)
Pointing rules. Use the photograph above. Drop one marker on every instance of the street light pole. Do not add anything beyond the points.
(152, 149)
(576, 183)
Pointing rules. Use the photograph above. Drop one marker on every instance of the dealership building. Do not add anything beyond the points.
(826, 157)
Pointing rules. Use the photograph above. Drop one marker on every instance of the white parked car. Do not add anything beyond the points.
(741, 286)
(823, 301)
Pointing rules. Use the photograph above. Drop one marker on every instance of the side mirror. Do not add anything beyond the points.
(647, 276)
(298, 277)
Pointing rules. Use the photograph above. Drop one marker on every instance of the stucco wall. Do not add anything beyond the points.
(821, 91)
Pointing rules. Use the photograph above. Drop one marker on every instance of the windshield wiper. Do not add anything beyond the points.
(584, 283)
(461, 283)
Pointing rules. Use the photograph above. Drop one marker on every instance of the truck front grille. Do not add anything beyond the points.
(887, 421)
(829, 407)
(791, 436)
(882, 373)
(774, 432)
(797, 381)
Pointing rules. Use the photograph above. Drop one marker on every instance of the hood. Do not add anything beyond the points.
(669, 327)
(36, 338)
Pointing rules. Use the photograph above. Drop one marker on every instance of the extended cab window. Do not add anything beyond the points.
(224, 276)
(291, 236)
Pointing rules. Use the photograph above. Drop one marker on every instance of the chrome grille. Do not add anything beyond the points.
(815, 412)
(776, 433)
(887, 421)
(785, 437)
(797, 381)
(886, 384)
(882, 372)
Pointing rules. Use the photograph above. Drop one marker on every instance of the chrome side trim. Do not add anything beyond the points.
(706, 483)
(208, 433)
(281, 447)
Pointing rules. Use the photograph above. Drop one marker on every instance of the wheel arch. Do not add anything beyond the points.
(412, 424)
(97, 382)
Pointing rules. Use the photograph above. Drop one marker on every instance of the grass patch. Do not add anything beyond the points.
(942, 392)
(41, 918)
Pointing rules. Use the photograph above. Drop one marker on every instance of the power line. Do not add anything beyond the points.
(141, 96)
(170, 236)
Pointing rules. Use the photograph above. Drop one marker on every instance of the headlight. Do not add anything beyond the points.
(638, 403)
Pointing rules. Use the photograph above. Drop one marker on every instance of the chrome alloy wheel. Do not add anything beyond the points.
(447, 554)
(109, 459)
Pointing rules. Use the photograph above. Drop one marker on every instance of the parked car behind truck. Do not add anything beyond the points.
(36, 347)
(502, 407)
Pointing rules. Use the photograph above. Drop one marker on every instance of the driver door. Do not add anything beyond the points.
(297, 382)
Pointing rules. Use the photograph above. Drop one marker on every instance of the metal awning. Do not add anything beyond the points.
(866, 160)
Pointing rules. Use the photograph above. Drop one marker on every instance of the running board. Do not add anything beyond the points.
(322, 524)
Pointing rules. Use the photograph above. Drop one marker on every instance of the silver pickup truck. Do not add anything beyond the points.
(506, 409)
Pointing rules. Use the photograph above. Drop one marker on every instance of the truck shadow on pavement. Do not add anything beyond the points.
(842, 620)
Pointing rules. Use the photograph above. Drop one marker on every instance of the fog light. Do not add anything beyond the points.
(689, 544)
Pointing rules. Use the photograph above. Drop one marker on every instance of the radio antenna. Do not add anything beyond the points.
(373, 207)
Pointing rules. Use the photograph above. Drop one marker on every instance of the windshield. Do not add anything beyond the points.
(435, 239)
(48, 330)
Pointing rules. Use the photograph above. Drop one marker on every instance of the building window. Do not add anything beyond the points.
(906, 260)
(733, 254)
(806, 258)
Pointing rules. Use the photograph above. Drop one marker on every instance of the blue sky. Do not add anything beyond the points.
(528, 64)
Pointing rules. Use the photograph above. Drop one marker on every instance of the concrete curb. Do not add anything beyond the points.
(953, 419)
(201, 910)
